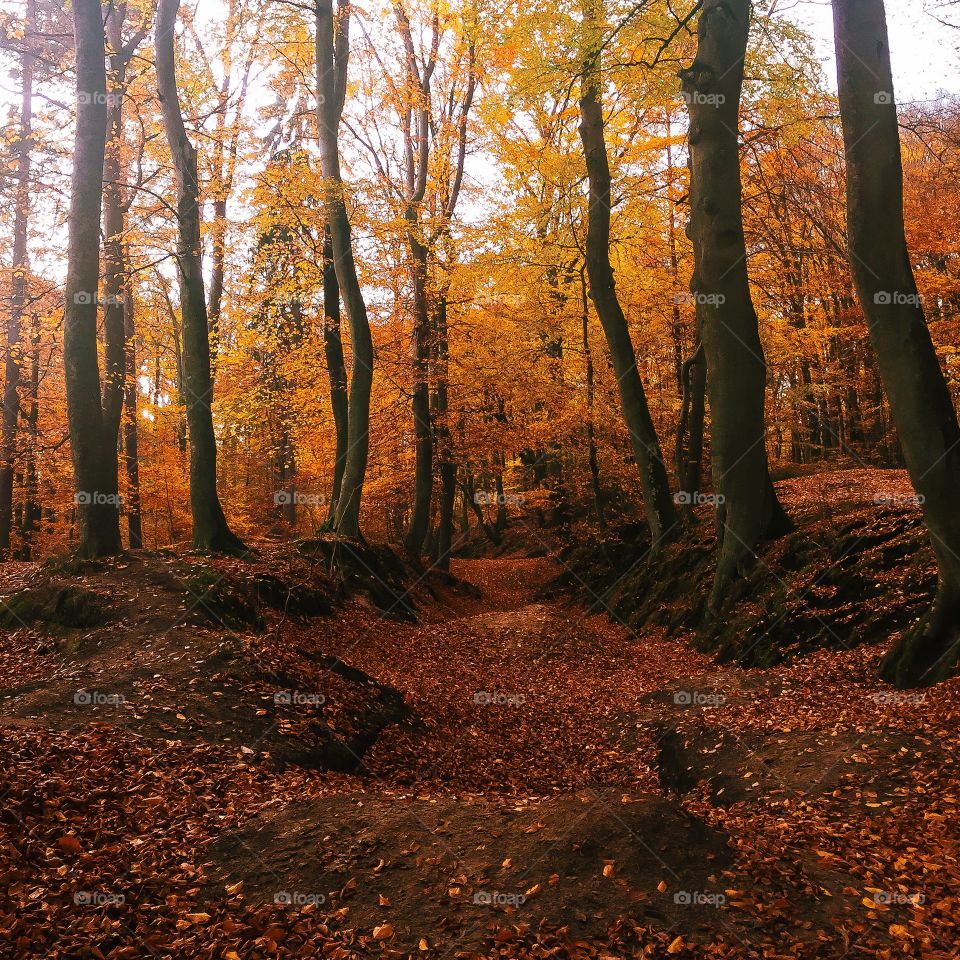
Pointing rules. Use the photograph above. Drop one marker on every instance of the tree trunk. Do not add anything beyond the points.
(689, 447)
(336, 369)
(31, 493)
(749, 512)
(210, 529)
(18, 288)
(332, 42)
(98, 517)
(661, 513)
(441, 411)
(131, 455)
(919, 399)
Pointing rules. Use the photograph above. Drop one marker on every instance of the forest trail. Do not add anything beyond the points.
(565, 773)
(558, 783)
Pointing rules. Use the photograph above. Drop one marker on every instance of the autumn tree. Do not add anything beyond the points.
(921, 404)
(660, 510)
(333, 47)
(748, 509)
(96, 499)
(210, 528)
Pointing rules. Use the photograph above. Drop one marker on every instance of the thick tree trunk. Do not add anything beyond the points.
(592, 459)
(660, 510)
(210, 528)
(99, 526)
(332, 50)
(18, 289)
(919, 399)
(749, 512)
(336, 368)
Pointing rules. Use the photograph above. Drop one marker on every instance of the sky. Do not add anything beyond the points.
(925, 54)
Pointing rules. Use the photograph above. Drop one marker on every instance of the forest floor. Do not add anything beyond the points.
(551, 784)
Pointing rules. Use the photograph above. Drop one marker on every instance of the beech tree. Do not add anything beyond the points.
(18, 284)
(748, 509)
(96, 499)
(661, 513)
(919, 399)
(210, 528)
(333, 49)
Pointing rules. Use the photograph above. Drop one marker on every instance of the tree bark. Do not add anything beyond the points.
(749, 511)
(97, 513)
(210, 528)
(660, 510)
(332, 41)
(336, 368)
(18, 288)
(131, 454)
(919, 398)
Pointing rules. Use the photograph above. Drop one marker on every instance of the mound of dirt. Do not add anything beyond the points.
(445, 868)
(197, 651)
(858, 568)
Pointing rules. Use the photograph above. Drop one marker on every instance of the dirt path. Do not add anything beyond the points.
(567, 774)
(562, 787)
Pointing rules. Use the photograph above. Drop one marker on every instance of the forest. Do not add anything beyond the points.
(479, 479)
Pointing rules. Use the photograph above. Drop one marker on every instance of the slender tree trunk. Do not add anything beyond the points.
(441, 411)
(336, 369)
(592, 459)
(131, 454)
(31, 493)
(749, 512)
(914, 382)
(18, 288)
(689, 448)
(332, 42)
(210, 528)
(423, 429)
(98, 517)
(660, 510)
